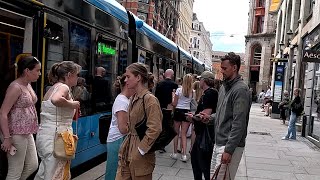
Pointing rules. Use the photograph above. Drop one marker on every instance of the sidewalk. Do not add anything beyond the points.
(266, 156)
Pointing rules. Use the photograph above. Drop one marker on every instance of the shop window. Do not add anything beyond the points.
(315, 107)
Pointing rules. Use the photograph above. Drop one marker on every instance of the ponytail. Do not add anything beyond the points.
(52, 76)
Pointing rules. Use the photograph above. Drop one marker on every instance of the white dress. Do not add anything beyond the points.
(50, 167)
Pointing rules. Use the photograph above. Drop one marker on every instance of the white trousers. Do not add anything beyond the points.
(25, 161)
(233, 165)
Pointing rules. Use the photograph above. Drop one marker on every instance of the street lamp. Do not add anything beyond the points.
(281, 44)
(289, 34)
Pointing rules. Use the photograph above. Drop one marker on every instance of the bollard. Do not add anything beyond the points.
(304, 124)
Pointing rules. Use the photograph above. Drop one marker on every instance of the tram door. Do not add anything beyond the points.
(15, 39)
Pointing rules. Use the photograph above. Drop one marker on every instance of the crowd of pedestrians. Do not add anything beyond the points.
(215, 114)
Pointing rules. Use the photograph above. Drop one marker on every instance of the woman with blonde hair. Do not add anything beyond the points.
(57, 111)
(136, 161)
(18, 120)
(182, 100)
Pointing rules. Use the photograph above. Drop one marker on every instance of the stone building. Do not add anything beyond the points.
(162, 15)
(201, 46)
(297, 40)
(260, 40)
(184, 23)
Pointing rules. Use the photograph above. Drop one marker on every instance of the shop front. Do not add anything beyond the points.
(311, 59)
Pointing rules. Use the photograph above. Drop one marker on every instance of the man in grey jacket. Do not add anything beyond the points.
(232, 116)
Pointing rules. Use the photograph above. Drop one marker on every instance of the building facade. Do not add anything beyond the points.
(216, 64)
(297, 41)
(162, 15)
(201, 46)
(185, 23)
(260, 40)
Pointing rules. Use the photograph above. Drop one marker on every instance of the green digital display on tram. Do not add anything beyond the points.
(103, 49)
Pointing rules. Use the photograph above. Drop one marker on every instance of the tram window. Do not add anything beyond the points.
(105, 75)
(79, 52)
(13, 27)
(57, 46)
(123, 58)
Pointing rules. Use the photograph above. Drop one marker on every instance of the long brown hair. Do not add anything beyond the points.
(58, 71)
(198, 90)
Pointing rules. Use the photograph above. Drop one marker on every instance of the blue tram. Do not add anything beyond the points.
(92, 33)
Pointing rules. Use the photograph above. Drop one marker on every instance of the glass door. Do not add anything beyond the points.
(15, 39)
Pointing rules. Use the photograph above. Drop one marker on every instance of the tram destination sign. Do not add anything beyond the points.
(311, 56)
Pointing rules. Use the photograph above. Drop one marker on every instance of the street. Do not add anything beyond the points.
(266, 156)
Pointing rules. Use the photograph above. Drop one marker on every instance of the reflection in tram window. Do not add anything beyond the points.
(123, 58)
(105, 74)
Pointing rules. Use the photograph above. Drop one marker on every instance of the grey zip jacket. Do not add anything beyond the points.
(232, 116)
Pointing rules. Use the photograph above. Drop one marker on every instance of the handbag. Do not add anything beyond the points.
(222, 173)
(59, 150)
(167, 133)
(193, 104)
(206, 144)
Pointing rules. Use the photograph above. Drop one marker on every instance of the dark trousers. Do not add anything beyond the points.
(283, 113)
(200, 161)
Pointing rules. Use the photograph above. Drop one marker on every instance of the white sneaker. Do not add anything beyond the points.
(285, 138)
(174, 156)
(184, 158)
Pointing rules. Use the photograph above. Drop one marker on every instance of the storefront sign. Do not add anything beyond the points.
(311, 56)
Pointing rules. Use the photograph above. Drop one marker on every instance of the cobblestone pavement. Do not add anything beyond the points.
(266, 156)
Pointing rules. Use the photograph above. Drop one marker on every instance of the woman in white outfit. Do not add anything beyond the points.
(57, 105)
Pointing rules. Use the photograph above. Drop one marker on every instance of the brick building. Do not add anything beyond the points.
(162, 15)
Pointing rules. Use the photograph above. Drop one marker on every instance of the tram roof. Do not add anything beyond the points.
(197, 60)
(155, 35)
(118, 11)
(112, 7)
(185, 54)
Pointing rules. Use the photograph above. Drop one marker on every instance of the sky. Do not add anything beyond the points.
(223, 18)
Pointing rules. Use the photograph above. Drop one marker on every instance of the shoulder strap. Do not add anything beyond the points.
(144, 107)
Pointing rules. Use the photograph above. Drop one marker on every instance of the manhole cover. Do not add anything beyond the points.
(260, 133)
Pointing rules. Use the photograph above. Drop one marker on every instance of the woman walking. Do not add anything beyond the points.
(57, 111)
(19, 121)
(136, 162)
(119, 126)
(296, 110)
(182, 100)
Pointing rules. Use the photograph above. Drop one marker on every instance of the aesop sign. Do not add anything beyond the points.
(311, 56)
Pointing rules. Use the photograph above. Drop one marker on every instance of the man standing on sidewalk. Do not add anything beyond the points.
(232, 116)
(164, 91)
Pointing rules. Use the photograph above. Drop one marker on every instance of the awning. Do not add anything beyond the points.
(274, 6)
(185, 55)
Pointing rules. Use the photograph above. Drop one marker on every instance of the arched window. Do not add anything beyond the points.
(256, 55)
